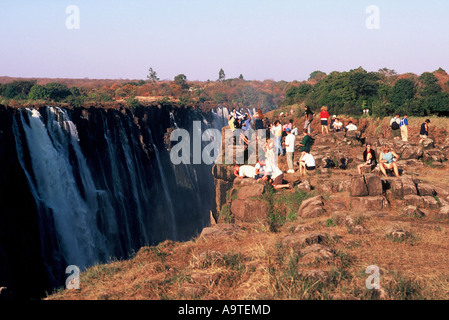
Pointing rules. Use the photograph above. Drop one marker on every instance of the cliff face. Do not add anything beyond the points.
(79, 186)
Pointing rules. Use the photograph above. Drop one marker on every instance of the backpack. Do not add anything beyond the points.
(395, 125)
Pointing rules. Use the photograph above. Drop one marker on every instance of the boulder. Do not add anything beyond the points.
(413, 200)
(358, 187)
(408, 186)
(396, 189)
(298, 241)
(397, 233)
(426, 189)
(428, 143)
(249, 210)
(223, 172)
(220, 230)
(411, 152)
(402, 186)
(434, 155)
(363, 204)
(374, 184)
(248, 192)
(305, 186)
(444, 211)
(430, 202)
(311, 208)
(413, 212)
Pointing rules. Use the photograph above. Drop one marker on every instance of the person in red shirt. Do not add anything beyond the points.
(324, 116)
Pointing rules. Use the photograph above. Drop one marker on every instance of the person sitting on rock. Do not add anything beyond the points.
(350, 127)
(244, 171)
(369, 159)
(306, 163)
(306, 143)
(338, 125)
(387, 160)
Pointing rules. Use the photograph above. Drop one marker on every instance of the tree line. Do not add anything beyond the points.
(382, 93)
(350, 92)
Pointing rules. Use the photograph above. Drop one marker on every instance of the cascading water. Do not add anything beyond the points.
(102, 183)
(56, 186)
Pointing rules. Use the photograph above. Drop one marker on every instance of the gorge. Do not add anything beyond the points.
(80, 186)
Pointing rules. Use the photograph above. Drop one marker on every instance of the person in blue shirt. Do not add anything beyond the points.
(403, 125)
(387, 160)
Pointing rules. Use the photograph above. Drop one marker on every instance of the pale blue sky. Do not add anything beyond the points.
(261, 39)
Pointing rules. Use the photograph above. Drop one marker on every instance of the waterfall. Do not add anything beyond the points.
(164, 187)
(101, 183)
(74, 216)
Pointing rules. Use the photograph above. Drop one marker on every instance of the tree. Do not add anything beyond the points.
(57, 91)
(317, 75)
(152, 75)
(181, 80)
(37, 92)
(241, 77)
(403, 90)
(17, 89)
(221, 75)
(429, 85)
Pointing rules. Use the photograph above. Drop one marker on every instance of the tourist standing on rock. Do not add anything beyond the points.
(324, 118)
(369, 159)
(394, 125)
(278, 134)
(308, 119)
(404, 128)
(387, 160)
(258, 120)
(424, 132)
(290, 149)
(269, 150)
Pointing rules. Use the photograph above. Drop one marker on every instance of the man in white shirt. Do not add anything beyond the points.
(351, 126)
(290, 149)
(244, 171)
(276, 174)
(307, 162)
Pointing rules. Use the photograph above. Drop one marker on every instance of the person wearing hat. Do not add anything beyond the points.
(290, 149)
